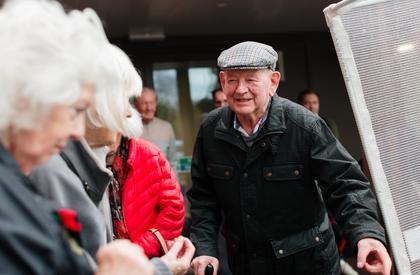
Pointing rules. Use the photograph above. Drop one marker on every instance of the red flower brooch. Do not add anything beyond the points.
(68, 218)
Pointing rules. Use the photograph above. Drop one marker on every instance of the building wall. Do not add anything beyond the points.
(309, 61)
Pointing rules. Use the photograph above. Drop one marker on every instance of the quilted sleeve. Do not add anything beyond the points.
(170, 210)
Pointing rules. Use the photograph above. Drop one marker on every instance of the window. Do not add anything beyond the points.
(184, 97)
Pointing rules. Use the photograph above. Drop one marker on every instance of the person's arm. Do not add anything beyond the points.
(345, 189)
(170, 206)
(205, 211)
(347, 195)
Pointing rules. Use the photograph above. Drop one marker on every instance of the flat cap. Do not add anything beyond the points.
(248, 55)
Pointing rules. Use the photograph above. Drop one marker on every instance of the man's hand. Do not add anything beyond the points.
(373, 257)
(178, 258)
(199, 264)
(122, 257)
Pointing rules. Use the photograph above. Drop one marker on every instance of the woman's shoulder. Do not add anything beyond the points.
(144, 147)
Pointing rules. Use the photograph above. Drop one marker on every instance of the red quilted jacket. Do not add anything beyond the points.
(151, 197)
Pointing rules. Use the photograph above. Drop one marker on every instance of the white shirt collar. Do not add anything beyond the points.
(258, 126)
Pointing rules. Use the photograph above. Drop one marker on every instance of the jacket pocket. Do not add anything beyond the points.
(218, 171)
(297, 242)
(283, 172)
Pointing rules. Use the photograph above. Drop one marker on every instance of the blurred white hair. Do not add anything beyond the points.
(46, 56)
(120, 82)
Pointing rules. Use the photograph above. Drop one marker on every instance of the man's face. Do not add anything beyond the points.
(248, 91)
(219, 99)
(311, 102)
(147, 106)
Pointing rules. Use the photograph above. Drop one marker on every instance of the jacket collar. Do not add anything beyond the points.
(275, 124)
(83, 162)
(276, 117)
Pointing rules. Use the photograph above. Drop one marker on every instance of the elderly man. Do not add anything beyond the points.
(156, 130)
(259, 161)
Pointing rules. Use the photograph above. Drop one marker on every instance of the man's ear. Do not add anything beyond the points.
(275, 80)
(222, 79)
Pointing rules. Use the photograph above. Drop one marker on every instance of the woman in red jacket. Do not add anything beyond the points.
(144, 195)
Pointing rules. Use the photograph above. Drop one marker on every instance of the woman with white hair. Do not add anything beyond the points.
(78, 178)
(147, 205)
(46, 84)
(144, 193)
(156, 201)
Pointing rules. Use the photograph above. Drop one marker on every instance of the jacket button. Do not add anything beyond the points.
(317, 238)
(245, 174)
(208, 169)
(247, 216)
(269, 174)
(296, 172)
(227, 173)
(254, 255)
(86, 186)
(263, 144)
(281, 251)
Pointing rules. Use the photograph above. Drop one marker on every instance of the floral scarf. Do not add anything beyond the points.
(120, 171)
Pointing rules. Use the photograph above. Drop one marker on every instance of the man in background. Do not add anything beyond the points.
(310, 99)
(156, 130)
(219, 98)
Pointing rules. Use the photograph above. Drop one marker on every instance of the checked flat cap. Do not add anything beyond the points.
(248, 55)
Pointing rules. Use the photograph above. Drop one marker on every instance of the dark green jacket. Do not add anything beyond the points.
(269, 193)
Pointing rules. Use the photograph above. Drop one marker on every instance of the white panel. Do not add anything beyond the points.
(378, 46)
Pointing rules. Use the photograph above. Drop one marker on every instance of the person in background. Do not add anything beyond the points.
(156, 130)
(310, 99)
(46, 84)
(273, 168)
(219, 98)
